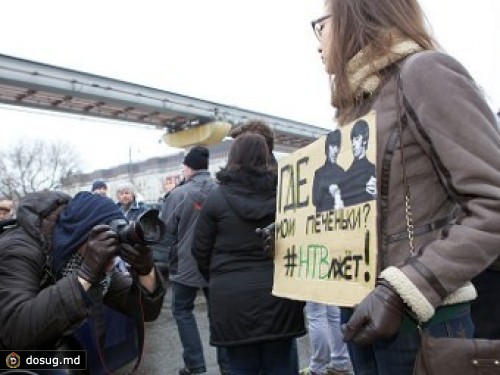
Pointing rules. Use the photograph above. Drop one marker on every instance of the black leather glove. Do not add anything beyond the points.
(140, 257)
(378, 316)
(102, 246)
(267, 236)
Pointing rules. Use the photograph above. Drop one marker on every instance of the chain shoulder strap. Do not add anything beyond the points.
(402, 117)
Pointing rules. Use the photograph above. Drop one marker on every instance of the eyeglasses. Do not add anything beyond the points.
(319, 24)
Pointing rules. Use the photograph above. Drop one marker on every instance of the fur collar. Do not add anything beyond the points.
(364, 75)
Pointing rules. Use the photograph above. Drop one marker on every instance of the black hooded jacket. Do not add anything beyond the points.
(230, 255)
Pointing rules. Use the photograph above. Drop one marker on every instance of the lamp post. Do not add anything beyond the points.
(130, 164)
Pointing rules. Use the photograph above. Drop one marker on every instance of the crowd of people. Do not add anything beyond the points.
(76, 269)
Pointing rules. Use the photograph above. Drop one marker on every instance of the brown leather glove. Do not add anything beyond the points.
(102, 246)
(378, 316)
(267, 236)
(140, 257)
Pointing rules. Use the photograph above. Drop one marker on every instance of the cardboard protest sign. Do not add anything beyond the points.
(326, 237)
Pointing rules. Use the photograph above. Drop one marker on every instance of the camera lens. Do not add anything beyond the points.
(129, 233)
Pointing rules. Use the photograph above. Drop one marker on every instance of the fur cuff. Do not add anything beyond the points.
(409, 293)
(464, 294)
(417, 302)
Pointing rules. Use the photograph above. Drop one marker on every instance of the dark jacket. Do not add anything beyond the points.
(180, 212)
(356, 177)
(230, 255)
(324, 176)
(36, 316)
(133, 212)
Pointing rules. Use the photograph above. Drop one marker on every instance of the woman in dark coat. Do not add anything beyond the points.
(256, 327)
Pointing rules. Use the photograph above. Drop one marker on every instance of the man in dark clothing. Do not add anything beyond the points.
(55, 271)
(360, 182)
(328, 174)
(180, 213)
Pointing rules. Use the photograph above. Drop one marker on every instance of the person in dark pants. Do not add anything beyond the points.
(257, 126)
(180, 213)
(257, 329)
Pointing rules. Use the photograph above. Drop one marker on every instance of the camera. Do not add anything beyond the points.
(148, 229)
(267, 236)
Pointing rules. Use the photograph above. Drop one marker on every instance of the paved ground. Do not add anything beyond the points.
(162, 352)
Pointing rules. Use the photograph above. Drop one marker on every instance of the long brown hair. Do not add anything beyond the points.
(369, 25)
(248, 151)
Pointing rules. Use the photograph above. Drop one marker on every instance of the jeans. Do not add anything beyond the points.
(327, 345)
(397, 355)
(183, 297)
(267, 358)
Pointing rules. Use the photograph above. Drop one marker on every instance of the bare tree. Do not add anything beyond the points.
(34, 165)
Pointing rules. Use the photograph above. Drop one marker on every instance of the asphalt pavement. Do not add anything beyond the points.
(163, 350)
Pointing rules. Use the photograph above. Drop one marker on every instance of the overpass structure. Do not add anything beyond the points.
(185, 120)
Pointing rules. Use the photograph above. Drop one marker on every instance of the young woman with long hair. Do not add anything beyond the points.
(382, 58)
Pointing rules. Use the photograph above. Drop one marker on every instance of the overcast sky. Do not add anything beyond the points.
(258, 55)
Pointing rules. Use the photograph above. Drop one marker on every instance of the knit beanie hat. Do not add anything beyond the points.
(82, 213)
(197, 158)
(98, 184)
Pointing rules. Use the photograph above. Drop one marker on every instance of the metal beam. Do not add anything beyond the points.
(31, 84)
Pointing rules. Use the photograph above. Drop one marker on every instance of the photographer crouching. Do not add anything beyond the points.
(57, 269)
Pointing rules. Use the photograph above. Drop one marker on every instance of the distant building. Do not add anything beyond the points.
(148, 176)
